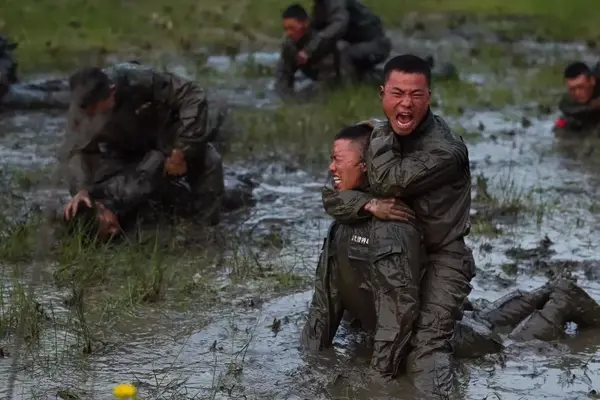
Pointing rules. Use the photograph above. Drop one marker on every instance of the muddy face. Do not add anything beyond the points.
(346, 164)
(295, 29)
(102, 106)
(581, 88)
(405, 99)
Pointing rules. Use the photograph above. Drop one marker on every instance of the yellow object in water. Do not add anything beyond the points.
(124, 391)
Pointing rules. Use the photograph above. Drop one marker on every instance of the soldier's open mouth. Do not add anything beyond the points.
(336, 180)
(404, 119)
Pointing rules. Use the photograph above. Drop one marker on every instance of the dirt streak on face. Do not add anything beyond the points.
(295, 29)
(347, 166)
(581, 88)
(405, 99)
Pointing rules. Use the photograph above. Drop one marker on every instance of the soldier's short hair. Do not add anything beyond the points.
(356, 133)
(410, 64)
(88, 86)
(575, 69)
(295, 11)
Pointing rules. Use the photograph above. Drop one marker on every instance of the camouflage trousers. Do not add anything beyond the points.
(133, 187)
(444, 289)
(372, 270)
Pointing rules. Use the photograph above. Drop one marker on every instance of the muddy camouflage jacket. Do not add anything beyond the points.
(581, 116)
(287, 66)
(153, 111)
(335, 20)
(429, 170)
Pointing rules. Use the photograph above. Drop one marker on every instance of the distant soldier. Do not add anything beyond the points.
(136, 135)
(581, 105)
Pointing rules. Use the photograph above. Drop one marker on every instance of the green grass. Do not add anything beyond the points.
(62, 33)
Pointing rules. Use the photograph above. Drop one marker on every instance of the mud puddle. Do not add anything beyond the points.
(246, 346)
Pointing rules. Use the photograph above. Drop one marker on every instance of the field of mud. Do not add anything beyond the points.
(217, 314)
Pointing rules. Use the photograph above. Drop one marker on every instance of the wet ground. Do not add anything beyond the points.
(246, 345)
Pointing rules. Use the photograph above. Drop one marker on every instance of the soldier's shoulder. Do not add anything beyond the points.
(443, 133)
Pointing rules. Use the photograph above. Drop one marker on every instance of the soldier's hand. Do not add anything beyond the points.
(72, 206)
(301, 57)
(390, 209)
(175, 165)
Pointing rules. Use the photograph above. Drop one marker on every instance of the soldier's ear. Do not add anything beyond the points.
(381, 91)
(363, 166)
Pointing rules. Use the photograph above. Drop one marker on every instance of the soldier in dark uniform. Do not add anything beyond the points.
(324, 72)
(580, 107)
(136, 135)
(413, 155)
(370, 264)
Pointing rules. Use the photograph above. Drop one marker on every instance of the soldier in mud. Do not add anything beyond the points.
(343, 41)
(324, 72)
(413, 155)
(371, 267)
(580, 107)
(138, 137)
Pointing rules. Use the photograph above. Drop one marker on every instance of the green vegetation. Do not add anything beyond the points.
(63, 33)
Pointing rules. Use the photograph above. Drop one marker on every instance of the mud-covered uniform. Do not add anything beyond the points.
(119, 157)
(8, 65)
(371, 269)
(428, 170)
(352, 29)
(323, 71)
(581, 119)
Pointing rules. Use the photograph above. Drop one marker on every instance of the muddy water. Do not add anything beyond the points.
(231, 351)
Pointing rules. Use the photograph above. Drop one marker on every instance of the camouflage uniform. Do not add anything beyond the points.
(349, 22)
(324, 72)
(118, 157)
(429, 170)
(372, 269)
(582, 119)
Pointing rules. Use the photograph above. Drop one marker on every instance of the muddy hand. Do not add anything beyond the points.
(73, 205)
(390, 209)
(175, 165)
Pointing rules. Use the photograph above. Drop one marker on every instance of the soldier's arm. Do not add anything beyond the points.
(284, 72)
(325, 40)
(346, 206)
(189, 100)
(77, 156)
(393, 175)
(128, 189)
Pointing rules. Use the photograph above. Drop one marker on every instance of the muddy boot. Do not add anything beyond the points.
(548, 323)
(585, 311)
(512, 308)
(433, 376)
(474, 338)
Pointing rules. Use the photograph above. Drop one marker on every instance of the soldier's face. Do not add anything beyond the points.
(581, 88)
(347, 167)
(405, 99)
(295, 29)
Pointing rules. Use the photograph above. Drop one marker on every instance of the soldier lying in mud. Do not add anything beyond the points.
(342, 41)
(13, 94)
(580, 107)
(138, 137)
(414, 156)
(367, 269)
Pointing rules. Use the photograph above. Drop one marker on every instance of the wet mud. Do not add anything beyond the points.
(534, 217)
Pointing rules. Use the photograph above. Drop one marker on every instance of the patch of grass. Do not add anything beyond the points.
(60, 34)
